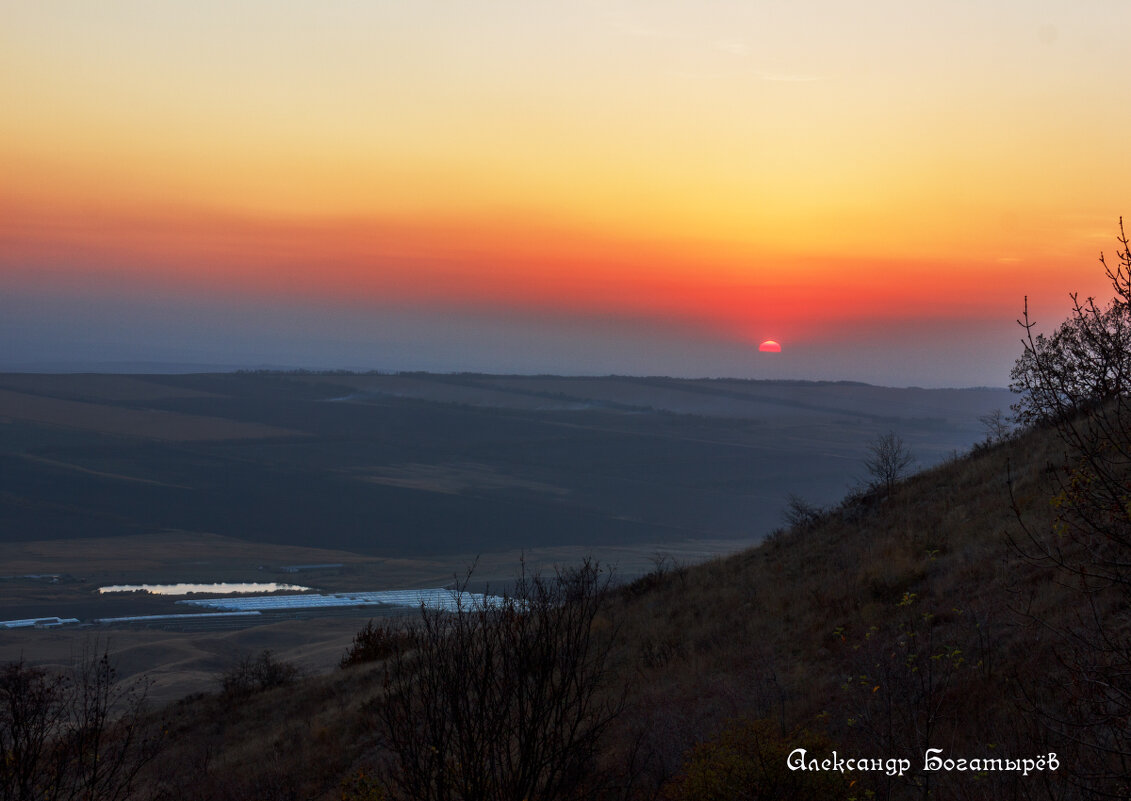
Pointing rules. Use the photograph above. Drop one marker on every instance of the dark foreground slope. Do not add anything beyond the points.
(417, 465)
(884, 628)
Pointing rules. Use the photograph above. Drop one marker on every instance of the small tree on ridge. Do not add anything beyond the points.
(889, 460)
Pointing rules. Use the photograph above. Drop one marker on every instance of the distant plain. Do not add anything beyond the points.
(400, 481)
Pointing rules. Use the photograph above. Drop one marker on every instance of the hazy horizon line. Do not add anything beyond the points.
(156, 368)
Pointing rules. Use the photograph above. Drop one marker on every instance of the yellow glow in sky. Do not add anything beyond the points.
(747, 143)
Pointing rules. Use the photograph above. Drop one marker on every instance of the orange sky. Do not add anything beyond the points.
(739, 170)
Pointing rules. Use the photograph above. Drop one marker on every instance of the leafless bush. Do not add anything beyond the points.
(375, 642)
(252, 674)
(76, 735)
(799, 513)
(997, 425)
(890, 457)
(502, 702)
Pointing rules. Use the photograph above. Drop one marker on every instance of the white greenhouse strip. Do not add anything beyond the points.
(37, 622)
(188, 615)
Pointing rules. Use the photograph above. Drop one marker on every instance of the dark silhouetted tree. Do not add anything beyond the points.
(888, 461)
(1078, 380)
(799, 513)
(997, 425)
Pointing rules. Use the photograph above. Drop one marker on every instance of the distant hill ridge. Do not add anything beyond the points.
(408, 464)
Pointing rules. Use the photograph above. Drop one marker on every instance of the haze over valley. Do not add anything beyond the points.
(419, 465)
(365, 482)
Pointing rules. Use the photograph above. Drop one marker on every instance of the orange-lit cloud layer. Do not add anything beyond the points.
(739, 170)
(521, 267)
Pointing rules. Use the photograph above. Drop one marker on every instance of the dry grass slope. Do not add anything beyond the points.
(889, 625)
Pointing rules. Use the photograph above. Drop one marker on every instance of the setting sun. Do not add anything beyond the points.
(770, 346)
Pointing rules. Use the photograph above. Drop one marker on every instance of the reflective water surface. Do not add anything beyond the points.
(217, 588)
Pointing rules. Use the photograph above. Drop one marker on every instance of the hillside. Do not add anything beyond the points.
(886, 626)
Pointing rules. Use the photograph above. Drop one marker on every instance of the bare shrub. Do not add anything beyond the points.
(76, 735)
(889, 460)
(997, 425)
(253, 674)
(904, 691)
(504, 701)
(799, 513)
(375, 642)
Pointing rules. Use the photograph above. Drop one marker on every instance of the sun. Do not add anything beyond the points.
(770, 346)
